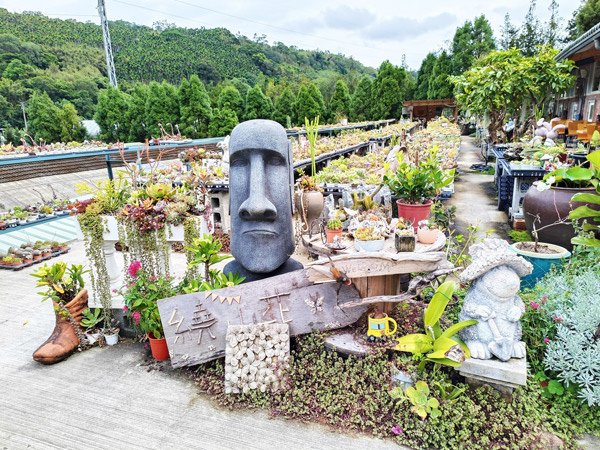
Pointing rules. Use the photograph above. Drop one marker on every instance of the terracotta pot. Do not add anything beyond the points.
(552, 205)
(414, 213)
(426, 236)
(405, 243)
(310, 205)
(159, 348)
(331, 234)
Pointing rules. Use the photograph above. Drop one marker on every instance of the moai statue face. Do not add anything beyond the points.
(260, 186)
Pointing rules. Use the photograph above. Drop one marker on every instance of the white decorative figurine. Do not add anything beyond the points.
(493, 301)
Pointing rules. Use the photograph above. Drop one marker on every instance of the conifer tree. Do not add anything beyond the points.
(111, 114)
(258, 105)
(230, 98)
(284, 108)
(339, 106)
(194, 107)
(161, 107)
(223, 121)
(43, 116)
(360, 106)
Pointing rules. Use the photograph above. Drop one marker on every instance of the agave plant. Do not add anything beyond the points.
(439, 346)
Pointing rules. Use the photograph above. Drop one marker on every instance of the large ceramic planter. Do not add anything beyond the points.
(542, 262)
(369, 246)
(552, 205)
(414, 213)
(159, 348)
(310, 205)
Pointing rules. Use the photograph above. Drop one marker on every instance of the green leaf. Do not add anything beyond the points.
(420, 411)
(586, 241)
(435, 413)
(433, 403)
(444, 362)
(438, 303)
(554, 387)
(583, 212)
(422, 387)
(579, 173)
(586, 198)
(451, 331)
(594, 158)
(414, 343)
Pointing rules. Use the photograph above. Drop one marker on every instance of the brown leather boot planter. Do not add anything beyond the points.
(66, 335)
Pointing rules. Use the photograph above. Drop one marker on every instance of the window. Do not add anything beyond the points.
(574, 108)
(596, 78)
(591, 108)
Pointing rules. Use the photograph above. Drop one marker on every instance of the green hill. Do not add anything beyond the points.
(170, 53)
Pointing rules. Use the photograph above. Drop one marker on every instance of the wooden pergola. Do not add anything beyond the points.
(429, 109)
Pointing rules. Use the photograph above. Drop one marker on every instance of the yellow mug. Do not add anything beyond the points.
(379, 327)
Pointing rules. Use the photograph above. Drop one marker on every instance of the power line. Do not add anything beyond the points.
(161, 12)
(273, 26)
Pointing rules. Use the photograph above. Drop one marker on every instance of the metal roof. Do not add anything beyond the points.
(581, 42)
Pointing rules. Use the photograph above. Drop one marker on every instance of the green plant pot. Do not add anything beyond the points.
(542, 262)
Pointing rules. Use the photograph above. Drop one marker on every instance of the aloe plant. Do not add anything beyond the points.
(439, 346)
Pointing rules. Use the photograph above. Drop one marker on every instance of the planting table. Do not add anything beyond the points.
(376, 287)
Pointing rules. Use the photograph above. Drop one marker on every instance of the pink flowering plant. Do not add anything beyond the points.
(539, 328)
(141, 295)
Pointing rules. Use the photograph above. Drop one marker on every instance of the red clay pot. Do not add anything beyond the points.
(552, 205)
(159, 348)
(414, 213)
(331, 234)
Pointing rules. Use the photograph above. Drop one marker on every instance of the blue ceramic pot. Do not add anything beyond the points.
(542, 262)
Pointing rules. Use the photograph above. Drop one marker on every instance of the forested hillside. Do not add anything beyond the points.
(171, 53)
(202, 81)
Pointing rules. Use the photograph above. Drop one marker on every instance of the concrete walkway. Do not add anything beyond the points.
(104, 398)
(475, 196)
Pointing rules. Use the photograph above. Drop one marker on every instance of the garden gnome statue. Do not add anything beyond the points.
(260, 199)
(492, 300)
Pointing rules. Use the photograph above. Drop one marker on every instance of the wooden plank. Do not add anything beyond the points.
(195, 325)
(387, 299)
(360, 265)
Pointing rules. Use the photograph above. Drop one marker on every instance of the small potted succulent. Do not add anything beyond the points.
(11, 261)
(89, 323)
(37, 254)
(404, 236)
(27, 258)
(428, 232)
(368, 239)
(308, 199)
(333, 230)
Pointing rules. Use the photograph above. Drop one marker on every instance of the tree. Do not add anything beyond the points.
(161, 107)
(439, 85)
(510, 34)
(194, 107)
(552, 29)
(424, 77)
(584, 18)
(531, 35)
(389, 90)
(284, 108)
(223, 121)
(470, 42)
(360, 106)
(136, 110)
(507, 84)
(44, 118)
(309, 103)
(258, 105)
(111, 114)
(17, 70)
(71, 128)
(339, 106)
(231, 99)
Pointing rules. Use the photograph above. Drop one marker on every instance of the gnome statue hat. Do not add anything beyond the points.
(493, 253)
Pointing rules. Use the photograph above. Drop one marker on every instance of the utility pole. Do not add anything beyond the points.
(110, 64)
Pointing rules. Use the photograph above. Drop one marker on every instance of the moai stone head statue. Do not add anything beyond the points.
(493, 301)
(260, 198)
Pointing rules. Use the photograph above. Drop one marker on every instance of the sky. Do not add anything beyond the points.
(370, 32)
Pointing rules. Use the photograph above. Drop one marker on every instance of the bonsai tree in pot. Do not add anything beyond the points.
(415, 186)
(65, 287)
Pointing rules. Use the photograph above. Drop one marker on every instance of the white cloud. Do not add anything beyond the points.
(371, 32)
